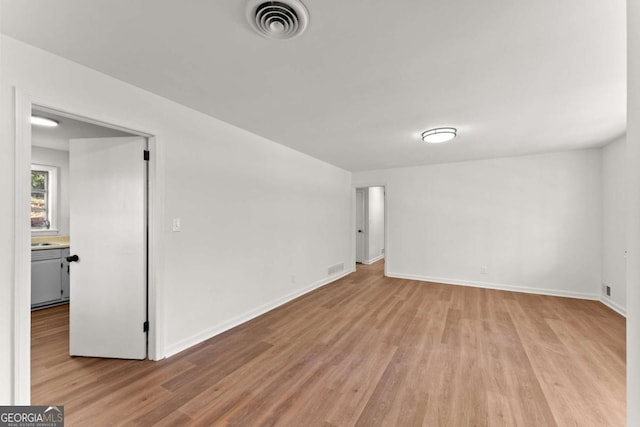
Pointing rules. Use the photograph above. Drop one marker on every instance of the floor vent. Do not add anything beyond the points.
(333, 269)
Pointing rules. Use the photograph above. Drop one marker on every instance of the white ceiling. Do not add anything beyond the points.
(58, 137)
(515, 77)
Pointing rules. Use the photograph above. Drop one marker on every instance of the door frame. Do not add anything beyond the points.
(365, 223)
(24, 103)
(387, 249)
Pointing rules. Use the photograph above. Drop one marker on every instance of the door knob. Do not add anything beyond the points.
(73, 258)
(359, 231)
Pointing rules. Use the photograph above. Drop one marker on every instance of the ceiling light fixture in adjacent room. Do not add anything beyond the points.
(438, 135)
(43, 121)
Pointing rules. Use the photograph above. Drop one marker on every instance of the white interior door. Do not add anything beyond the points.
(360, 225)
(108, 296)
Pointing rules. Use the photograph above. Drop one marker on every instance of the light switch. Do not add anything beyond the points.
(176, 226)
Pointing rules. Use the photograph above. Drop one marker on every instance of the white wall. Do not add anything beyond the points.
(260, 222)
(614, 219)
(376, 223)
(6, 237)
(531, 223)
(633, 212)
(59, 159)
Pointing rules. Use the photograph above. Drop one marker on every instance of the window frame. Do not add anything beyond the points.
(52, 198)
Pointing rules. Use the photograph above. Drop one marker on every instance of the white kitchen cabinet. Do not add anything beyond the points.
(49, 277)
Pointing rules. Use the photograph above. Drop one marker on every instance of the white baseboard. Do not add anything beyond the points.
(499, 286)
(238, 320)
(371, 261)
(613, 306)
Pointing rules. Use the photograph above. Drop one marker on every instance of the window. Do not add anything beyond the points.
(43, 197)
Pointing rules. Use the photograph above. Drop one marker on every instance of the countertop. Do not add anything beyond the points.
(50, 242)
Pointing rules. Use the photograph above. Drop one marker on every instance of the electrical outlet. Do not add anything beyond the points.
(483, 270)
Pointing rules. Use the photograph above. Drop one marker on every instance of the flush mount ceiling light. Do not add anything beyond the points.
(438, 135)
(284, 19)
(43, 121)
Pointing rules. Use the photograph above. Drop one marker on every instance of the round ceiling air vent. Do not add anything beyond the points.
(278, 19)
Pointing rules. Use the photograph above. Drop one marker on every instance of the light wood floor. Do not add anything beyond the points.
(363, 351)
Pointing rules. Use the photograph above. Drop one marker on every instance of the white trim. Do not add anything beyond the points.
(499, 286)
(21, 378)
(156, 260)
(613, 306)
(22, 253)
(354, 225)
(365, 224)
(252, 314)
(49, 232)
(376, 259)
(75, 116)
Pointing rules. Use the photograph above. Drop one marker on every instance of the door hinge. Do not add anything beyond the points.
(147, 155)
(145, 326)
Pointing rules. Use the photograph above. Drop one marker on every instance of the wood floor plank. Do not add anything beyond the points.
(365, 350)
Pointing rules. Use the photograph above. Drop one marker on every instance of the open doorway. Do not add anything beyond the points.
(370, 224)
(106, 190)
(50, 201)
